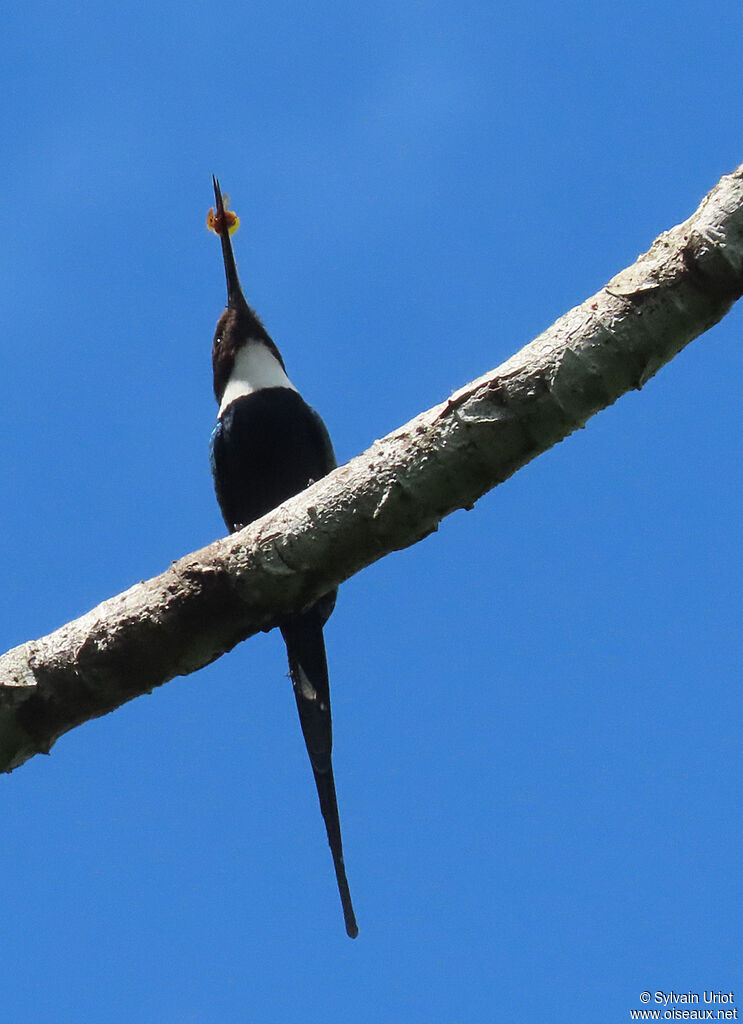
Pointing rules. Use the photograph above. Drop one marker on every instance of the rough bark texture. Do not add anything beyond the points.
(389, 497)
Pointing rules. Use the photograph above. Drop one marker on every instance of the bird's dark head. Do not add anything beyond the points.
(239, 324)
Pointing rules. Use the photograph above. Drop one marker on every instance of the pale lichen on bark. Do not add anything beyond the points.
(388, 498)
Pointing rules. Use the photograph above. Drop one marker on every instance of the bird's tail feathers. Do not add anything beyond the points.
(309, 674)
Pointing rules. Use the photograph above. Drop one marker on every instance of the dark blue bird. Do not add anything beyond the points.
(268, 444)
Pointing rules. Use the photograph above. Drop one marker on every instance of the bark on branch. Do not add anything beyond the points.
(388, 498)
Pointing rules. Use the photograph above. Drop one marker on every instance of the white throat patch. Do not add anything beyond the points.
(255, 367)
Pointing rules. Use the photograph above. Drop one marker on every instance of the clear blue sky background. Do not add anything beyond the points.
(537, 710)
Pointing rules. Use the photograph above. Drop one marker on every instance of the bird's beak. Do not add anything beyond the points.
(235, 297)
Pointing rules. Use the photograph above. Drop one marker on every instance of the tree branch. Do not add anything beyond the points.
(386, 499)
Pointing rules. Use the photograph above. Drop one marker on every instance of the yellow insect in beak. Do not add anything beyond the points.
(217, 221)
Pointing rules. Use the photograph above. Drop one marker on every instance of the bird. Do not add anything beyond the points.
(269, 444)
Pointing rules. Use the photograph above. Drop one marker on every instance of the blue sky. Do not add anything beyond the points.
(537, 710)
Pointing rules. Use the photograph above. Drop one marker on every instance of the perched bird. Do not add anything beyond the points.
(268, 444)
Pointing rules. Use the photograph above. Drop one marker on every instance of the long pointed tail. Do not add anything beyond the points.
(309, 673)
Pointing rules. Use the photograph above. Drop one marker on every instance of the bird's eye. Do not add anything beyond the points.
(217, 342)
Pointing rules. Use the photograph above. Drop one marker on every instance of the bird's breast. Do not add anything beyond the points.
(268, 445)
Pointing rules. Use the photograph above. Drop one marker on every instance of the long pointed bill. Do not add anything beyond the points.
(235, 297)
